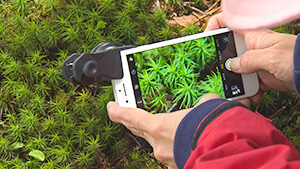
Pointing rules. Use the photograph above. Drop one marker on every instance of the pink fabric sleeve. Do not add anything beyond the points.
(239, 138)
(255, 14)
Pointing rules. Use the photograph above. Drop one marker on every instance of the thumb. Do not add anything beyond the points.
(134, 118)
(251, 61)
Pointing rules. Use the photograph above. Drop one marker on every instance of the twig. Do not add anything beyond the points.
(279, 111)
(85, 88)
(211, 7)
(76, 87)
(1, 113)
(195, 9)
(173, 106)
(144, 151)
(216, 10)
(12, 102)
(209, 12)
(137, 142)
(257, 107)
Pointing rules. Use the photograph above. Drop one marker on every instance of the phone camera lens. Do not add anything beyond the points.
(91, 69)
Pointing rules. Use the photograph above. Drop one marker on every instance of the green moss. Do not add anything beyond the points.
(69, 124)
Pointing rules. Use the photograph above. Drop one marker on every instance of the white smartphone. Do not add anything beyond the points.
(201, 59)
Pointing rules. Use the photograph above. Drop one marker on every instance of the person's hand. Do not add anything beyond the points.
(158, 129)
(270, 54)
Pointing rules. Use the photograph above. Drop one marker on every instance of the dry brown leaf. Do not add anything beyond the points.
(184, 20)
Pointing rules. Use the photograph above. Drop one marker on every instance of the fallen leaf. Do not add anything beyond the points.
(17, 145)
(184, 20)
(37, 154)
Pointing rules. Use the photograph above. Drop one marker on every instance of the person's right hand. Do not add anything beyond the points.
(270, 54)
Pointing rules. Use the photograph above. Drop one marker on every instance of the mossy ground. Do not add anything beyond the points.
(68, 124)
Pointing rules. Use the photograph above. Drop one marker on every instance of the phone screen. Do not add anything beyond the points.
(179, 75)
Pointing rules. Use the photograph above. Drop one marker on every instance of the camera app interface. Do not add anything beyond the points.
(177, 76)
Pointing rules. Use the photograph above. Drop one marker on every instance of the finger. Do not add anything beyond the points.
(258, 96)
(207, 97)
(215, 22)
(130, 117)
(269, 81)
(251, 61)
(245, 102)
(259, 39)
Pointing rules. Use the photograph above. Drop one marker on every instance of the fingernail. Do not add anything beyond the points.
(235, 64)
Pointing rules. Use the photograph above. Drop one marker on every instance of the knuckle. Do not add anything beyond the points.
(271, 61)
(125, 118)
(246, 60)
(131, 119)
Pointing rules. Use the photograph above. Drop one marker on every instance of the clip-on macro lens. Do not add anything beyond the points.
(102, 63)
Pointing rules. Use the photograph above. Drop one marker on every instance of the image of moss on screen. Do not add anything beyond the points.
(178, 74)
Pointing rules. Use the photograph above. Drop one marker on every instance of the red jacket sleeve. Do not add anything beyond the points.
(232, 136)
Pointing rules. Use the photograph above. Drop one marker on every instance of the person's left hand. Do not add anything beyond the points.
(158, 129)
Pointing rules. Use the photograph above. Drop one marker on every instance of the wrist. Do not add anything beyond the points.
(187, 127)
(296, 71)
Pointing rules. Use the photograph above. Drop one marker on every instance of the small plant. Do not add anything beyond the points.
(160, 103)
(16, 132)
(149, 84)
(29, 120)
(94, 144)
(59, 154)
(213, 84)
(4, 146)
(170, 74)
(188, 93)
(84, 159)
(205, 51)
